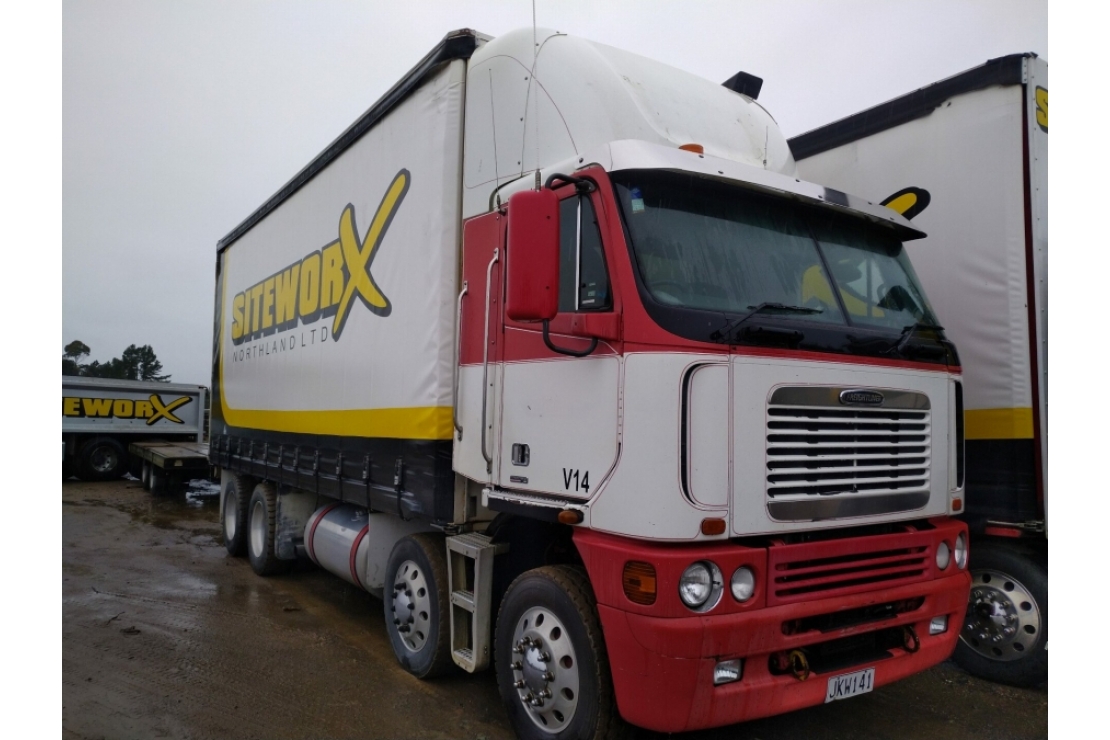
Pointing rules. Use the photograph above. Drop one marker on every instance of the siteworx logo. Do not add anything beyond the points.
(324, 282)
(152, 409)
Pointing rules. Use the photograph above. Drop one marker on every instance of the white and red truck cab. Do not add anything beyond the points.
(690, 439)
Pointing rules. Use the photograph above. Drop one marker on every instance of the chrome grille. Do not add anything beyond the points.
(829, 461)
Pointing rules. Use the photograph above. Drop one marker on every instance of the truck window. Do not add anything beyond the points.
(583, 279)
(876, 280)
(702, 245)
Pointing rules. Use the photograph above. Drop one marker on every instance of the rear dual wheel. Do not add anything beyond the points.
(101, 458)
(416, 608)
(262, 532)
(235, 496)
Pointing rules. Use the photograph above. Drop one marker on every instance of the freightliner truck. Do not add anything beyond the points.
(967, 159)
(554, 351)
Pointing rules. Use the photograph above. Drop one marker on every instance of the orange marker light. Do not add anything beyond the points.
(695, 148)
(638, 581)
(570, 516)
(957, 505)
(712, 526)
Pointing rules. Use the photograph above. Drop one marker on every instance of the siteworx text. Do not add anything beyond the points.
(324, 282)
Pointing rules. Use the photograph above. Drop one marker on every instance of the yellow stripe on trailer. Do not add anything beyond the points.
(998, 424)
(428, 422)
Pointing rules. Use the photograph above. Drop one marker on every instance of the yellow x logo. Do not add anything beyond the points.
(165, 410)
(359, 256)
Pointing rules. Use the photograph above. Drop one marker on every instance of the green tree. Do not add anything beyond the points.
(71, 357)
(142, 364)
(136, 363)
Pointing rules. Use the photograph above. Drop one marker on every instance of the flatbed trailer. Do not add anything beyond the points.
(167, 465)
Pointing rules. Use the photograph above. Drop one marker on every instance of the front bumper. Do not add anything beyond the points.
(663, 667)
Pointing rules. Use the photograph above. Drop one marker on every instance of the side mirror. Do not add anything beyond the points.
(532, 272)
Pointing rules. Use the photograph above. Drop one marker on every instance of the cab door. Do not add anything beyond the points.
(559, 413)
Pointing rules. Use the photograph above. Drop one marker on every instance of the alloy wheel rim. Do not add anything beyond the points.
(411, 606)
(545, 669)
(1003, 621)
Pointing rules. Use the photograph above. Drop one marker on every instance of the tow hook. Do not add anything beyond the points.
(799, 665)
(910, 641)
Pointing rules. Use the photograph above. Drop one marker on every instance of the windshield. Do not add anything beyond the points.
(701, 244)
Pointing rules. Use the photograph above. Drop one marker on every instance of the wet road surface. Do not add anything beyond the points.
(164, 636)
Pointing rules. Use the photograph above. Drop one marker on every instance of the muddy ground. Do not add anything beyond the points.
(164, 636)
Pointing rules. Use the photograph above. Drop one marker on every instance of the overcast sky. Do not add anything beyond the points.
(180, 118)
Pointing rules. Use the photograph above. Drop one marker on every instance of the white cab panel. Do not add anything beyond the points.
(467, 457)
(566, 412)
(644, 496)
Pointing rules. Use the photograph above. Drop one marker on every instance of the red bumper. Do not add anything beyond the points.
(663, 667)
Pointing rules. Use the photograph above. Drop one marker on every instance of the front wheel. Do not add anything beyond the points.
(552, 668)
(1005, 631)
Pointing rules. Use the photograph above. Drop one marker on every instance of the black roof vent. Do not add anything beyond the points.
(745, 84)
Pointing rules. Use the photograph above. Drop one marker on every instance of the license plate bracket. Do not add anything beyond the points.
(847, 685)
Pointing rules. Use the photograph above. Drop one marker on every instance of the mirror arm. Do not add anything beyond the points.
(563, 351)
(581, 184)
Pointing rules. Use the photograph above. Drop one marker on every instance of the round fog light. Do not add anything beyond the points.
(943, 555)
(743, 584)
(961, 552)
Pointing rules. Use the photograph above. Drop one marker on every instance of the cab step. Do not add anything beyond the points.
(470, 583)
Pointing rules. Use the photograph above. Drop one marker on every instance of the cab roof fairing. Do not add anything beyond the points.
(526, 111)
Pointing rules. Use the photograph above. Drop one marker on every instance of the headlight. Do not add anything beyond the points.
(943, 555)
(961, 552)
(700, 586)
(743, 584)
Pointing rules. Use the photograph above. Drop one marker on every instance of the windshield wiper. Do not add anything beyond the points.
(730, 328)
(907, 335)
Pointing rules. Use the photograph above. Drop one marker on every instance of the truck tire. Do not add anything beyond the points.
(416, 604)
(552, 667)
(262, 530)
(157, 480)
(1005, 632)
(101, 458)
(233, 514)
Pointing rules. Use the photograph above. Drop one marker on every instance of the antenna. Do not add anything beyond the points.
(531, 84)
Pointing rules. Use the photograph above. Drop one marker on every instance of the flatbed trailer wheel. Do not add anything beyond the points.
(416, 616)
(158, 482)
(552, 668)
(233, 514)
(101, 458)
(262, 531)
(1004, 637)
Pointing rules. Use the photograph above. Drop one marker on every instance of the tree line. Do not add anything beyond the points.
(136, 363)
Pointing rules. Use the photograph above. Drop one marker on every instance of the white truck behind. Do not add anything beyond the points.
(967, 159)
(101, 417)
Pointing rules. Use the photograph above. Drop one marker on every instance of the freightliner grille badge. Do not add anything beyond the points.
(861, 398)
